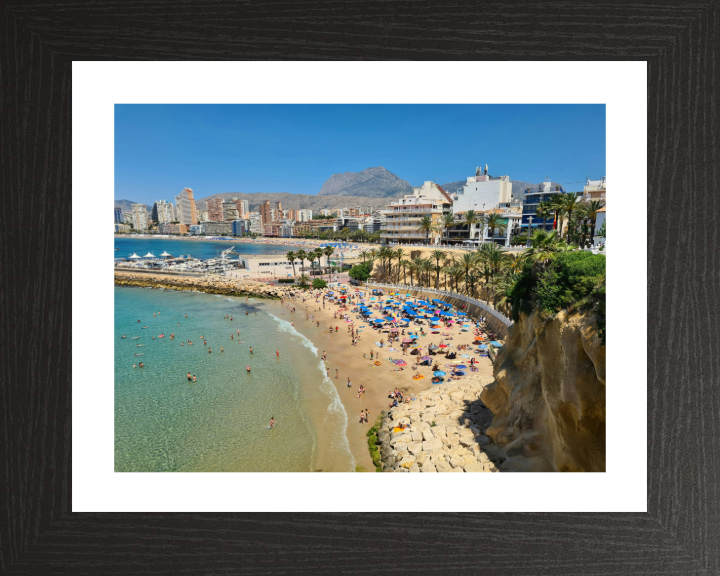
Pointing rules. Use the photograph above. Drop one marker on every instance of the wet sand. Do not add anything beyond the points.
(349, 362)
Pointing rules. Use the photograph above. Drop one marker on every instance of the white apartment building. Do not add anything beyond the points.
(243, 207)
(140, 216)
(482, 192)
(324, 212)
(185, 207)
(403, 218)
(166, 212)
(127, 218)
(255, 222)
(303, 215)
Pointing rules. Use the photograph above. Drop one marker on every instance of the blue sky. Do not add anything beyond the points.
(161, 149)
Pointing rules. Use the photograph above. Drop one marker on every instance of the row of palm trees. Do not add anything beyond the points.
(491, 222)
(485, 273)
(581, 216)
(309, 255)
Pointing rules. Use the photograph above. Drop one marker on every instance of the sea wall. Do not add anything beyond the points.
(548, 397)
(208, 284)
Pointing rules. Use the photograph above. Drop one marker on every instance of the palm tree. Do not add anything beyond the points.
(373, 254)
(301, 254)
(291, 258)
(328, 251)
(426, 267)
(404, 264)
(426, 225)
(493, 221)
(447, 222)
(437, 255)
(304, 279)
(472, 278)
(471, 218)
(570, 203)
(543, 211)
(544, 244)
(384, 255)
(412, 266)
(457, 273)
(311, 256)
(364, 253)
(557, 205)
(398, 254)
(593, 210)
(467, 261)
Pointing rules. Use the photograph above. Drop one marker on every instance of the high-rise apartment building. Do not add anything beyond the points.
(229, 210)
(118, 216)
(215, 210)
(185, 206)
(243, 207)
(165, 211)
(139, 216)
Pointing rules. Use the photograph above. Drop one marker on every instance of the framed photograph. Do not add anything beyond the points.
(186, 415)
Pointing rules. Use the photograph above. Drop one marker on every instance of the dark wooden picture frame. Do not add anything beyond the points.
(680, 533)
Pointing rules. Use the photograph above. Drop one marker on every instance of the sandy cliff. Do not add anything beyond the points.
(548, 397)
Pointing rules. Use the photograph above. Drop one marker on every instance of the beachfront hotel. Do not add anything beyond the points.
(403, 217)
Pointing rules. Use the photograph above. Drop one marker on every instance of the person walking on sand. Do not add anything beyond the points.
(349, 385)
(362, 416)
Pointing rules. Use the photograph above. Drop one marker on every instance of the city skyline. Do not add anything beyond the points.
(161, 149)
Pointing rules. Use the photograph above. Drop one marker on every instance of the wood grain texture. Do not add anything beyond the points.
(681, 532)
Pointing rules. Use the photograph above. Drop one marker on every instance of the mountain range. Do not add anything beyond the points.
(371, 182)
(375, 187)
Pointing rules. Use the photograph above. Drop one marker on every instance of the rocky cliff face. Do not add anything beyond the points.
(548, 397)
(371, 182)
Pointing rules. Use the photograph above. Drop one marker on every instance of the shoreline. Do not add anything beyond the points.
(343, 359)
(270, 241)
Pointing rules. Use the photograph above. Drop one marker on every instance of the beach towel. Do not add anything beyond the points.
(418, 377)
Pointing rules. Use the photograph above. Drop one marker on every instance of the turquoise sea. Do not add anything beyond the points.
(163, 422)
(202, 249)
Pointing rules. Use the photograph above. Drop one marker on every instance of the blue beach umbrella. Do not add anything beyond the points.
(461, 367)
(495, 343)
(434, 319)
(439, 373)
(482, 347)
(462, 314)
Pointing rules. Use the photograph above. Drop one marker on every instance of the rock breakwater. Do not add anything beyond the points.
(208, 284)
(444, 431)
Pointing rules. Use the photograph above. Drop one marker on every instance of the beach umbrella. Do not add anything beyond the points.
(408, 295)
(165, 255)
(460, 373)
(434, 319)
(433, 347)
(426, 358)
(134, 256)
(149, 255)
(407, 340)
(462, 314)
(438, 373)
(495, 343)
(443, 345)
(482, 347)
(401, 363)
(461, 366)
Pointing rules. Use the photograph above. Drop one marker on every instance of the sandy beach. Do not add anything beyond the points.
(347, 361)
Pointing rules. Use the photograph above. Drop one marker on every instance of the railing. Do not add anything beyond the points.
(504, 319)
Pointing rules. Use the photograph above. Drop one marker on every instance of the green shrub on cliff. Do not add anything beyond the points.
(573, 281)
(373, 442)
(318, 283)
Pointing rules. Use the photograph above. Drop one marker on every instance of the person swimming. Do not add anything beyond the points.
(272, 422)
(248, 368)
